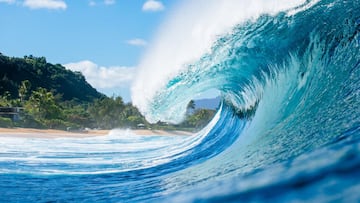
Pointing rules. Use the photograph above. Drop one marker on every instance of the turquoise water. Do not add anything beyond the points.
(287, 130)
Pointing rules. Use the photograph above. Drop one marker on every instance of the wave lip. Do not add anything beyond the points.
(289, 78)
(288, 128)
(185, 39)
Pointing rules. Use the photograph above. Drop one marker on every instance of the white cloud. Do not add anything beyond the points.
(8, 1)
(103, 77)
(45, 4)
(109, 2)
(106, 2)
(137, 42)
(92, 3)
(153, 5)
(114, 80)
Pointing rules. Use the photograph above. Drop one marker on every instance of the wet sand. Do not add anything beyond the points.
(50, 133)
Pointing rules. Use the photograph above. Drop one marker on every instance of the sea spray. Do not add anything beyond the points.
(288, 128)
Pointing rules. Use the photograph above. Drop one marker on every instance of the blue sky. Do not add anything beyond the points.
(105, 39)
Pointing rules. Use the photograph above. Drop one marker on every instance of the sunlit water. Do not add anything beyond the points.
(288, 128)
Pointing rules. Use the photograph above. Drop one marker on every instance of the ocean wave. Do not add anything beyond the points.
(288, 127)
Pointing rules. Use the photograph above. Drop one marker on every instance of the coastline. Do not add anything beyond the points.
(51, 133)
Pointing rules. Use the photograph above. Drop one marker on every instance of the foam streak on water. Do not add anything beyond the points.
(288, 128)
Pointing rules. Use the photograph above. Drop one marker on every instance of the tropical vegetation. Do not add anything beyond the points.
(50, 96)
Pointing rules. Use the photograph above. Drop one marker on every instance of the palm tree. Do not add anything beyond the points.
(24, 90)
(190, 107)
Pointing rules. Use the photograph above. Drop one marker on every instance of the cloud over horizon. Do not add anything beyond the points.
(153, 6)
(101, 77)
(45, 4)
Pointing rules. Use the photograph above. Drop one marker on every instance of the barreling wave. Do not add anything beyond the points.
(190, 51)
(287, 129)
(291, 78)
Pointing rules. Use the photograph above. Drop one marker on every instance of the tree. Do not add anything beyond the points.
(24, 90)
(107, 112)
(42, 105)
(131, 116)
(40, 73)
(200, 118)
(190, 107)
(5, 99)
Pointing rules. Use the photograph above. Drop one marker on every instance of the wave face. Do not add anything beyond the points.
(288, 128)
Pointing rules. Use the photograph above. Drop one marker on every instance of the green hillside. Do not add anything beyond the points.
(37, 94)
(55, 78)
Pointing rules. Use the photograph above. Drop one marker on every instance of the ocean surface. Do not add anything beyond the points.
(287, 128)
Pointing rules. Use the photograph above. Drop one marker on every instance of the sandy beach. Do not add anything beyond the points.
(51, 133)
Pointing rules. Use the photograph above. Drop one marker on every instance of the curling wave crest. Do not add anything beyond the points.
(288, 127)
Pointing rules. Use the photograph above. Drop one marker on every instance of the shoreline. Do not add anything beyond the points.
(51, 133)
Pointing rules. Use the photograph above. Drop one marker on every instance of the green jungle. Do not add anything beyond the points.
(38, 94)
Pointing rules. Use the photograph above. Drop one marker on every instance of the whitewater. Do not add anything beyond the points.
(287, 128)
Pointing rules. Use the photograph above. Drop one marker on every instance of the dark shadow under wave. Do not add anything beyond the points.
(288, 128)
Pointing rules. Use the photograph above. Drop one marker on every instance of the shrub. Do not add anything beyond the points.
(6, 122)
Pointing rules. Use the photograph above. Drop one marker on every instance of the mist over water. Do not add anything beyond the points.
(189, 34)
(287, 130)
